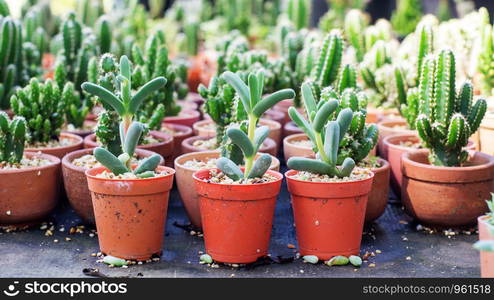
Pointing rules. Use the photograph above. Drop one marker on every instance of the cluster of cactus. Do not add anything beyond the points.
(446, 119)
(191, 30)
(249, 141)
(120, 97)
(12, 138)
(43, 107)
(228, 49)
(121, 164)
(219, 97)
(298, 12)
(42, 14)
(406, 17)
(486, 57)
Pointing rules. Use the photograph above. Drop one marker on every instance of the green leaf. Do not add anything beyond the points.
(150, 163)
(309, 165)
(110, 161)
(105, 96)
(132, 138)
(262, 106)
(323, 114)
(260, 135)
(240, 87)
(146, 90)
(308, 97)
(332, 142)
(241, 139)
(229, 168)
(261, 165)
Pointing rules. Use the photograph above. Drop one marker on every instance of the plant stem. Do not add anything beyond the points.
(320, 147)
(127, 121)
(249, 161)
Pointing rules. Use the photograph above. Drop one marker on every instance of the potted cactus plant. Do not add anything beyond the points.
(237, 204)
(18, 170)
(486, 242)
(43, 107)
(437, 184)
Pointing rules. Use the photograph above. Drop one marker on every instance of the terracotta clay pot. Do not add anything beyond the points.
(194, 73)
(130, 213)
(60, 152)
(75, 183)
(291, 128)
(237, 219)
(293, 150)
(329, 216)
(185, 117)
(486, 134)
(28, 195)
(188, 105)
(283, 107)
(388, 128)
(274, 115)
(180, 133)
(446, 196)
(194, 97)
(83, 132)
(378, 196)
(269, 146)
(486, 258)
(185, 181)
(395, 152)
(163, 148)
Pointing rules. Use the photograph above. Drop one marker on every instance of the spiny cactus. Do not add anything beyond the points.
(89, 11)
(355, 25)
(237, 14)
(406, 16)
(104, 35)
(35, 34)
(486, 58)
(219, 104)
(191, 30)
(325, 136)
(299, 12)
(249, 142)
(43, 108)
(77, 108)
(122, 164)
(12, 138)
(329, 60)
(446, 119)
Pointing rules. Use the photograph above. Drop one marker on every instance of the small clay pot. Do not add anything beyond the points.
(28, 195)
(269, 146)
(75, 183)
(83, 132)
(185, 181)
(181, 132)
(130, 213)
(274, 115)
(486, 134)
(163, 148)
(185, 117)
(237, 218)
(486, 258)
(446, 196)
(293, 150)
(283, 107)
(194, 97)
(188, 105)
(291, 128)
(60, 152)
(378, 196)
(388, 128)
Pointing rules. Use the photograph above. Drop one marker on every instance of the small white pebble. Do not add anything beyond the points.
(408, 258)
(8, 212)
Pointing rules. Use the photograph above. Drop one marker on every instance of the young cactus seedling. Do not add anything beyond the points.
(12, 138)
(254, 106)
(326, 136)
(122, 164)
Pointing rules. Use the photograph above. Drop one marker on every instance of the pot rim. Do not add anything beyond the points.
(191, 114)
(163, 138)
(272, 124)
(291, 137)
(79, 141)
(406, 159)
(184, 130)
(55, 162)
(384, 165)
(270, 172)
(390, 139)
(288, 177)
(209, 152)
(188, 142)
(98, 170)
(388, 122)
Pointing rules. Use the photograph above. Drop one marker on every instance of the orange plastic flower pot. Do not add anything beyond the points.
(329, 216)
(236, 218)
(130, 213)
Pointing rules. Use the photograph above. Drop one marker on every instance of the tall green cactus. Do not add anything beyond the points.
(355, 25)
(12, 138)
(104, 35)
(191, 30)
(446, 119)
(329, 60)
(298, 12)
(237, 14)
(407, 16)
(486, 57)
(89, 11)
(43, 107)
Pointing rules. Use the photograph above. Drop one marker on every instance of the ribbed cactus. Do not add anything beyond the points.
(41, 104)
(325, 136)
(104, 35)
(77, 108)
(446, 119)
(486, 57)
(122, 164)
(250, 141)
(298, 12)
(329, 60)
(355, 25)
(12, 138)
(237, 14)
(35, 34)
(191, 30)
(219, 104)
(89, 11)
(406, 16)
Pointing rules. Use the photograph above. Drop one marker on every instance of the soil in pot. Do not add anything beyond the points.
(297, 145)
(29, 191)
(67, 143)
(378, 196)
(329, 213)
(130, 213)
(179, 133)
(185, 166)
(237, 218)
(74, 166)
(486, 258)
(388, 128)
(203, 143)
(446, 196)
(185, 117)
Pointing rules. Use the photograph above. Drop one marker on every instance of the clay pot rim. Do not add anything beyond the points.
(162, 136)
(391, 122)
(407, 160)
(191, 114)
(55, 163)
(384, 165)
(183, 130)
(176, 162)
(272, 124)
(391, 139)
(89, 173)
(188, 141)
(79, 142)
(292, 172)
(291, 137)
(276, 174)
(69, 158)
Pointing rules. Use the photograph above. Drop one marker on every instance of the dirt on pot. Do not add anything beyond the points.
(357, 175)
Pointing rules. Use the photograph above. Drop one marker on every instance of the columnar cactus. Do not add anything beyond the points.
(77, 108)
(486, 58)
(104, 35)
(299, 13)
(12, 138)
(43, 107)
(191, 31)
(329, 60)
(355, 24)
(446, 119)
(406, 16)
(237, 14)
(122, 164)
(89, 11)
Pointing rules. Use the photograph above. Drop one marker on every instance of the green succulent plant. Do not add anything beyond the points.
(335, 16)
(12, 138)
(355, 24)
(237, 14)
(406, 16)
(254, 106)
(329, 60)
(89, 11)
(43, 107)
(486, 57)
(298, 12)
(446, 119)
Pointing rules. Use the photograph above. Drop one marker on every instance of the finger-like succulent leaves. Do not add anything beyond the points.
(260, 135)
(110, 161)
(241, 139)
(229, 168)
(131, 139)
(261, 165)
(149, 164)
